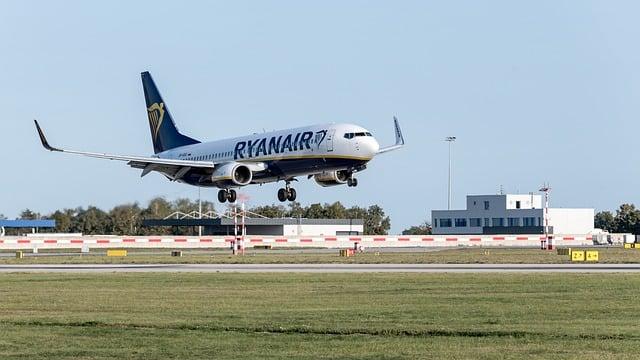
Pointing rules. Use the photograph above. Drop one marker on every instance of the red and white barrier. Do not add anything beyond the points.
(367, 241)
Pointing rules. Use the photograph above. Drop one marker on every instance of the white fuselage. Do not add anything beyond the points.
(292, 152)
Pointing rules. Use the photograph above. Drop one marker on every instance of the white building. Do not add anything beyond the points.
(510, 214)
(265, 226)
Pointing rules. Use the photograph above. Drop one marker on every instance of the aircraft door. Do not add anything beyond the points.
(330, 135)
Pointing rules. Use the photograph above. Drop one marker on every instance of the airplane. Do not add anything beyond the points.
(329, 153)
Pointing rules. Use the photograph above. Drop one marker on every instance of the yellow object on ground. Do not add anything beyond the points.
(577, 255)
(628, 246)
(19, 254)
(116, 252)
(347, 252)
(592, 255)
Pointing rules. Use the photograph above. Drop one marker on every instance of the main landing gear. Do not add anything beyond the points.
(287, 193)
(227, 195)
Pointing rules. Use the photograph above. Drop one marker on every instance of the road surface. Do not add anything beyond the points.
(324, 268)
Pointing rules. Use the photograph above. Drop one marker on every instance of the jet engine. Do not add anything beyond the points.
(232, 174)
(332, 178)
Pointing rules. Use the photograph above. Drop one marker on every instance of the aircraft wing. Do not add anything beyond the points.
(399, 138)
(173, 168)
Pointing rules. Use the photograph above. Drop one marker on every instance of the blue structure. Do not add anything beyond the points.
(24, 224)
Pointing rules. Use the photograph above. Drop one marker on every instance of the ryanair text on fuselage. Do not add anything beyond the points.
(277, 144)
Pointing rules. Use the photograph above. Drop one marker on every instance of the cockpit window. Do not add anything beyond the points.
(352, 135)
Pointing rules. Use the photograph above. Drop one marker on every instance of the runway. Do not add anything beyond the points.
(325, 268)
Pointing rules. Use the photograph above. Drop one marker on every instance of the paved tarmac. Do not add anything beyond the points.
(326, 268)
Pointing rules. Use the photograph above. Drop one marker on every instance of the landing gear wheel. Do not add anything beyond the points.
(222, 196)
(232, 196)
(282, 195)
(291, 196)
(352, 182)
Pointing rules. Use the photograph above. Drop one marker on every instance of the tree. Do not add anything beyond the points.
(271, 211)
(2, 217)
(604, 220)
(185, 205)
(375, 222)
(64, 220)
(295, 210)
(627, 219)
(27, 214)
(335, 211)
(422, 229)
(125, 219)
(158, 208)
(314, 211)
(92, 221)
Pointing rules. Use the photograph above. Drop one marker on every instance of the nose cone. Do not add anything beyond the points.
(370, 146)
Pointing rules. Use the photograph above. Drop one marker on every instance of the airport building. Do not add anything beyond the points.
(510, 214)
(267, 226)
(32, 225)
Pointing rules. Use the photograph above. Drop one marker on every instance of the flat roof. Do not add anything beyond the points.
(28, 223)
(250, 222)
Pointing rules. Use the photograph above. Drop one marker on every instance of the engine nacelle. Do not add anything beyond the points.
(331, 178)
(232, 174)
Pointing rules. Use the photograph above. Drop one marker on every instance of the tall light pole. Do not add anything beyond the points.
(449, 139)
(199, 212)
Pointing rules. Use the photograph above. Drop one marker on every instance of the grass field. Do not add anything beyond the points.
(447, 256)
(312, 316)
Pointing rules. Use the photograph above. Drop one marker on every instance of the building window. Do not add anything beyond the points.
(475, 222)
(461, 222)
(486, 222)
(517, 204)
(486, 205)
(435, 223)
(513, 221)
(497, 222)
(529, 221)
(445, 222)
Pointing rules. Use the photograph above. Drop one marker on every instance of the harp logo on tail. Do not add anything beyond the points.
(156, 114)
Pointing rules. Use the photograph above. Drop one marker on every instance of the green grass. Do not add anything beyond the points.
(448, 256)
(311, 316)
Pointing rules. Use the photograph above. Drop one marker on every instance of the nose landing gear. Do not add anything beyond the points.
(352, 182)
(227, 195)
(287, 193)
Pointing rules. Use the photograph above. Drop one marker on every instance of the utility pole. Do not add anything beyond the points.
(548, 240)
(449, 139)
(199, 212)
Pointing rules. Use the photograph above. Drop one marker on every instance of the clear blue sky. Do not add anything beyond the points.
(535, 91)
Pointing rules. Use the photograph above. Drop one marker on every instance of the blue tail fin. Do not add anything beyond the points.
(164, 133)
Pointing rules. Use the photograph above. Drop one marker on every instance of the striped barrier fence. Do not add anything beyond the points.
(367, 241)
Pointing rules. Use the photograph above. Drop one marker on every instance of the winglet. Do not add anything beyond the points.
(43, 139)
(399, 137)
